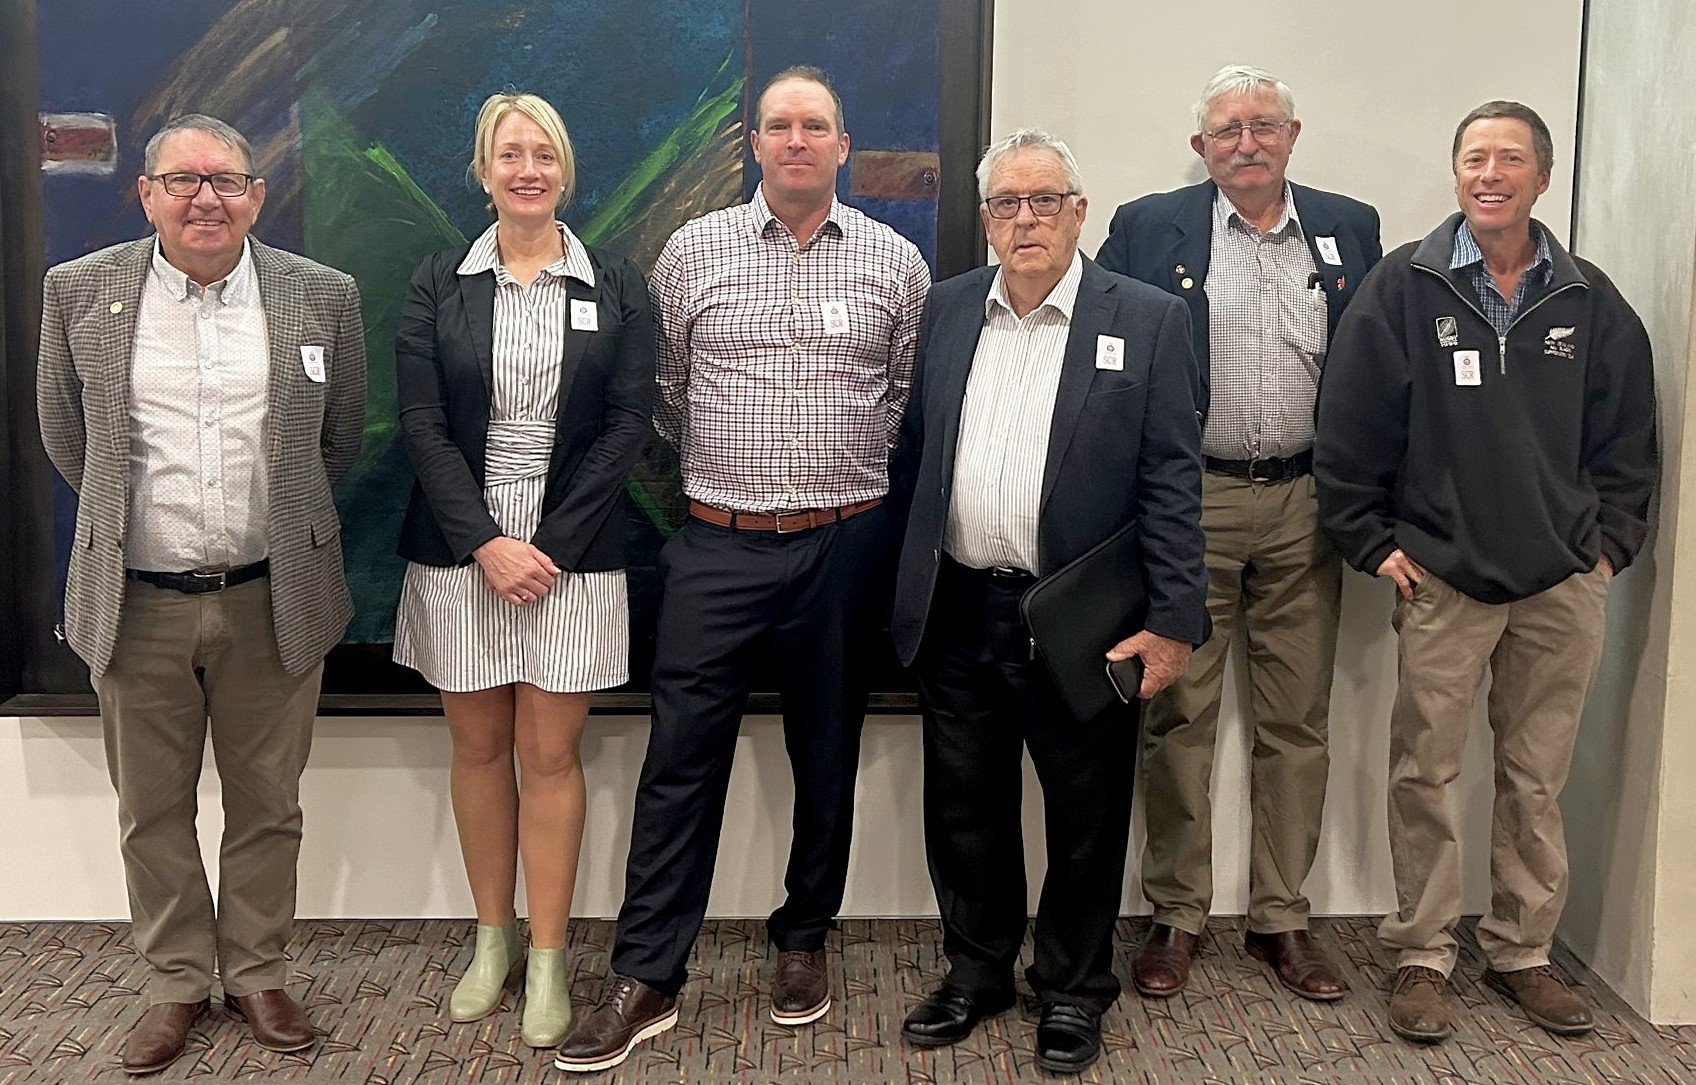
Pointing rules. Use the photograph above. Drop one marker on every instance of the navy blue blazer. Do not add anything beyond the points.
(1123, 446)
(444, 368)
(1166, 239)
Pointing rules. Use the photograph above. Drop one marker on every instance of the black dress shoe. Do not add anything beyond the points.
(949, 1015)
(1068, 1038)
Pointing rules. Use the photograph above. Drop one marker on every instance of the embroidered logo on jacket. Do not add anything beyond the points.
(1448, 331)
(1558, 343)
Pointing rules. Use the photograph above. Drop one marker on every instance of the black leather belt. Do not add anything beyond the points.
(198, 582)
(1268, 469)
(1005, 579)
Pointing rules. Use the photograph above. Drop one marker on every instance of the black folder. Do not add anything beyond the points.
(1080, 610)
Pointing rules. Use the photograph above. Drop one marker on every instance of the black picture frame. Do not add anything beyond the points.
(39, 675)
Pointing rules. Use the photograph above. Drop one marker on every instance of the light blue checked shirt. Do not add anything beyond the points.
(1500, 311)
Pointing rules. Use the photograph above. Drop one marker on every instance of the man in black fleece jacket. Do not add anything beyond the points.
(1486, 440)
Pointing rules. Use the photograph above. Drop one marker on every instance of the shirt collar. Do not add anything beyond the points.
(1467, 253)
(485, 255)
(239, 287)
(760, 214)
(1225, 212)
(1062, 299)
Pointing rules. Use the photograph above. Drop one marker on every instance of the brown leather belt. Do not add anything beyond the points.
(781, 522)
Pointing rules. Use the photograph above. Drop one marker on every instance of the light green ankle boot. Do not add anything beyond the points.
(547, 999)
(497, 961)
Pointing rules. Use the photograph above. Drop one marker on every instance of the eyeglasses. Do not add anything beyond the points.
(1043, 204)
(188, 184)
(1263, 129)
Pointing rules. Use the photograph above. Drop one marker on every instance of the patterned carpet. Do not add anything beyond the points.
(69, 991)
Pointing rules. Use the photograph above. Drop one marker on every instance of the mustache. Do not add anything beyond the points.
(1238, 161)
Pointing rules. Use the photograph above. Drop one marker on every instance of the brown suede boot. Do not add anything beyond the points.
(1419, 1006)
(1545, 998)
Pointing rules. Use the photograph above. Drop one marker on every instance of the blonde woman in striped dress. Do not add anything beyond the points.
(525, 368)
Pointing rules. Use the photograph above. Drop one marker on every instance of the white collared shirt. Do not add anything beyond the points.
(198, 381)
(1004, 422)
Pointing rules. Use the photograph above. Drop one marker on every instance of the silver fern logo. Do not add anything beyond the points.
(1448, 331)
(1559, 343)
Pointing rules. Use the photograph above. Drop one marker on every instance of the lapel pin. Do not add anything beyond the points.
(1341, 282)
(117, 307)
(1187, 283)
(1179, 269)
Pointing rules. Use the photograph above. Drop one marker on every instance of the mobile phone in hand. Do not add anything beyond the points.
(1126, 676)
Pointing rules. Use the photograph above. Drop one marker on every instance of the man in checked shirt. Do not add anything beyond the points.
(787, 332)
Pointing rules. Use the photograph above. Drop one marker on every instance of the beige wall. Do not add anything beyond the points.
(1631, 811)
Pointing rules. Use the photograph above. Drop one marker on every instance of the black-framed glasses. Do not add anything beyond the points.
(188, 184)
(1265, 130)
(1043, 204)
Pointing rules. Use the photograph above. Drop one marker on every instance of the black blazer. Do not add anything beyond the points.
(443, 375)
(1153, 237)
(1124, 445)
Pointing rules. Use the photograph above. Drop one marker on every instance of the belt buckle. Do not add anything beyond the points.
(1254, 474)
(220, 576)
(777, 522)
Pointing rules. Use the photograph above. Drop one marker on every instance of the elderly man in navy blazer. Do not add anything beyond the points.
(1053, 405)
(1266, 268)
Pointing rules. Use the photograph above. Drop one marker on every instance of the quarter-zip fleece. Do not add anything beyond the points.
(1502, 477)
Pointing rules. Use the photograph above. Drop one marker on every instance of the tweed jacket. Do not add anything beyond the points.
(313, 430)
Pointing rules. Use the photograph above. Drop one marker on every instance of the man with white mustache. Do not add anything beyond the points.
(1266, 268)
(1487, 442)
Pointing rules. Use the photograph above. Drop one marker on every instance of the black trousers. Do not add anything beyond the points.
(816, 599)
(985, 700)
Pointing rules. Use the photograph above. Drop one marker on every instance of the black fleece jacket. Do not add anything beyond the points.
(1503, 479)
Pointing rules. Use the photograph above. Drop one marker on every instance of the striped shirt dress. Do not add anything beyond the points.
(451, 626)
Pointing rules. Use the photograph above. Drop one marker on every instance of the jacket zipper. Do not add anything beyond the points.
(1502, 339)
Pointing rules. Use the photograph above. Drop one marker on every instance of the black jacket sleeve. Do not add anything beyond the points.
(626, 421)
(1361, 434)
(1169, 487)
(1620, 451)
(450, 489)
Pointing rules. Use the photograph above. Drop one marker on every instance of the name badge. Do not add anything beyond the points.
(312, 360)
(835, 315)
(1109, 352)
(1467, 371)
(584, 316)
(1327, 247)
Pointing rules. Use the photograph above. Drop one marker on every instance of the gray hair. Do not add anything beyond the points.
(1541, 141)
(197, 122)
(1029, 139)
(1242, 79)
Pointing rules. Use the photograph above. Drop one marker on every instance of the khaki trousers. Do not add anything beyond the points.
(179, 660)
(1271, 571)
(1543, 653)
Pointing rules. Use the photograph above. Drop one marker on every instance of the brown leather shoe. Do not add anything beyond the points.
(1545, 998)
(160, 1036)
(276, 1020)
(630, 1012)
(1163, 965)
(1419, 1006)
(800, 990)
(1298, 962)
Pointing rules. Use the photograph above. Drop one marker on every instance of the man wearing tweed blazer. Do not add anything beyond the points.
(202, 392)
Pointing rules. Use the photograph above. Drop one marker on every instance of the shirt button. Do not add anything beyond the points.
(209, 423)
(211, 484)
(206, 314)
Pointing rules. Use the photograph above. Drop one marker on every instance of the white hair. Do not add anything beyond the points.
(1242, 79)
(197, 122)
(1029, 139)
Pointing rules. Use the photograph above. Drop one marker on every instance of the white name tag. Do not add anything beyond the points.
(835, 315)
(584, 316)
(1467, 371)
(1109, 352)
(312, 360)
(1327, 247)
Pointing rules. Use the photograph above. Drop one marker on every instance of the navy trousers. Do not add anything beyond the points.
(985, 701)
(813, 599)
